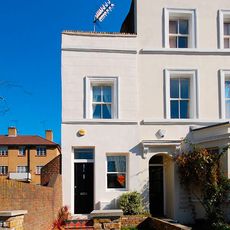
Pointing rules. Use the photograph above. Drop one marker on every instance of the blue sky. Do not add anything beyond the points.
(30, 58)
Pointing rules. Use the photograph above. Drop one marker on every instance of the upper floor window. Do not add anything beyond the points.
(102, 101)
(22, 169)
(225, 93)
(224, 29)
(178, 33)
(101, 97)
(22, 151)
(3, 151)
(41, 151)
(179, 28)
(3, 170)
(179, 97)
(116, 172)
(181, 94)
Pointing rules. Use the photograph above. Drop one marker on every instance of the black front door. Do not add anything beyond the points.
(156, 190)
(83, 188)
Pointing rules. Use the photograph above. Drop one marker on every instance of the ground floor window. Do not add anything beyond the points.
(116, 172)
(3, 170)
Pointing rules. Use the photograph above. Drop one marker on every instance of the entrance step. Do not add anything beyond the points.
(84, 224)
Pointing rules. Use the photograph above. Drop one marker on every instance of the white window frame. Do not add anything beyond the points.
(223, 74)
(19, 151)
(126, 173)
(91, 81)
(3, 151)
(38, 169)
(41, 153)
(20, 166)
(193, 76)
(1, 167)
(174, 14)
(222, 16)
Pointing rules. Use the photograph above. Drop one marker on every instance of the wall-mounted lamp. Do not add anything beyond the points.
(81, 132)
(160, 133)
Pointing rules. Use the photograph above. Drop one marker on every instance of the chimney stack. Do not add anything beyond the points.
(12, 132)
(49, 135)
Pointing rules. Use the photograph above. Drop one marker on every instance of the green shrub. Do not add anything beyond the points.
(131, 203)
(220, 226)
(128, 228)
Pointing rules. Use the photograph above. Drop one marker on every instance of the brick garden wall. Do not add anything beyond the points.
(42, 203)
(52, 168)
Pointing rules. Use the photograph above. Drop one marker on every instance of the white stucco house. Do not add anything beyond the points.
(129, 98)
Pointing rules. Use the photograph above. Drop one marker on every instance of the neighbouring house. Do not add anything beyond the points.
(23, 156)
(129, 98)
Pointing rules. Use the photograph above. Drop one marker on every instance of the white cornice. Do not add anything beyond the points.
(170, 51)
(100, 122)
(100, 50)
(181, 122)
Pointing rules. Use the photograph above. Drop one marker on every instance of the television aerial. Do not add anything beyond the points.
(103, 12)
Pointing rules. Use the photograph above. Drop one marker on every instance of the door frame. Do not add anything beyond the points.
(72, 204)
(164, 182)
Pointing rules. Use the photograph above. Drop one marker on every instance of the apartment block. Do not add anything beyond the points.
(23, 156)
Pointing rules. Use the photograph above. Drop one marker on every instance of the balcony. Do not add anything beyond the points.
(26, 176)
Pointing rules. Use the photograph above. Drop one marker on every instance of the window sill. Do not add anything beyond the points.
(102, 121)
(181, 122)
(21, 155)
(40, 156)
(187, 51)
(116, 189)
(3, 155)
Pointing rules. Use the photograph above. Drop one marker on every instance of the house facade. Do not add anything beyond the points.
(129, 98)
(23, 156)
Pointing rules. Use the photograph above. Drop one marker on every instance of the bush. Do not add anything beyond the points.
(131, 203)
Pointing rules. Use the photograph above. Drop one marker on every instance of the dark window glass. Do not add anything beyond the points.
(86, 154)
(96, 111)
(107, 111)
(184, 87)
(174, 88)
(174, 109)
(183, 42)
(116, 180)
(183, 26)
(184, 109)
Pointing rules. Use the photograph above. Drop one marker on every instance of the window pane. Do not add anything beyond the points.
(116, 180)
(184, 87)
(226, 28)
(96, 93)
(173, 27)
(227, 108)
(107, 94)
(183, 42)
(183, 26)
(83, 154)
(173, 42)
(174, 109)
(184, 109)
(226, 43)
(96, 111)
(107, 111)
(116, 163)
(227, 89)
(174, 88)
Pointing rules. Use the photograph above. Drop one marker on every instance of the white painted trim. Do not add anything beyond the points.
(189, 14)
(222, 14)
(222, 77)
(182, 122)
(92, 50)
(184, 51)
(114, 82)
(192, 74)
(101, 122)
